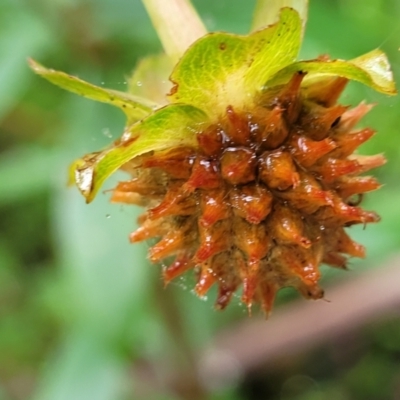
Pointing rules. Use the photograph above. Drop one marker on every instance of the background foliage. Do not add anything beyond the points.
(82, 315)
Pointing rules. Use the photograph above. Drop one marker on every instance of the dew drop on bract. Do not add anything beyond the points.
(107, 132)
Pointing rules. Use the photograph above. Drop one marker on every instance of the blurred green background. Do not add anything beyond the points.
(82, 314)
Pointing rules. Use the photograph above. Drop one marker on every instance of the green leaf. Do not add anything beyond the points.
(19, 31)
(15, 183)
(372, 69)
(224, 69)
(150, 78)
(171, 126)
(134, 107)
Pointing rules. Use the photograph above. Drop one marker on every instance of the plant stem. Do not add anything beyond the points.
(177, 24)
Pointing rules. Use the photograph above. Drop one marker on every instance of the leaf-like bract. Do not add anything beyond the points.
(134, 107)
(371, 69)
(222, 69)
(172, 126)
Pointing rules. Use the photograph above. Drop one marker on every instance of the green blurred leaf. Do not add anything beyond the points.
(171, 126)
(87, 368)
(372, 69)
(371, 378)
(134, 107)
(16, 183)
(222, 69)
(21, 33)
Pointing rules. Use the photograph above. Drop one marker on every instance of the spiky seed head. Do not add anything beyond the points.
(263, 199)
(248, 175)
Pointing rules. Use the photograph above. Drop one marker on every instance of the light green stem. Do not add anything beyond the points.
(177, 24)
(267, 12)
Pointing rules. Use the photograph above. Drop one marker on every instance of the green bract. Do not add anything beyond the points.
(172, 126)
(221, 69)
(134, 107)
(218, 70)
(372, 69)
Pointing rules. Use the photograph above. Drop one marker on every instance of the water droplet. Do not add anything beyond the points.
(138, 83)
(108, 216)
(102, 83)
(107, 133)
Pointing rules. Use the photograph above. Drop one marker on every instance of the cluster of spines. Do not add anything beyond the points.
(264, 198)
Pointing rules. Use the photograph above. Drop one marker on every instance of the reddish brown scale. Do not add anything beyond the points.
(350, 186)
(225, 268)
(182, 263)
(308, 195)
(149, 229)
(211, 140)
(325, 92)
(342, 214)
(335, 260)
(331, 169)
(288, 97)
(250, 282)
(238, 129)
(313, 292)
(351, 117)
(177, 163)
(348, 142)
(142, 218)
(368, 162)
(251, 202)
(130, 198)
(287, 226)
(206, 279)
(177, 201)
(307, 152)
(173, 242)
(303, 263)
(273, 129)
(213, 240)
(341, 243)
(224, 295)
(214, 207)
(265, 197)
(277, 170)
(205, 175)
(297, 267)
(238, 165)
(267, 293)
(141, 186)
(317, 121)
(251, 239)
